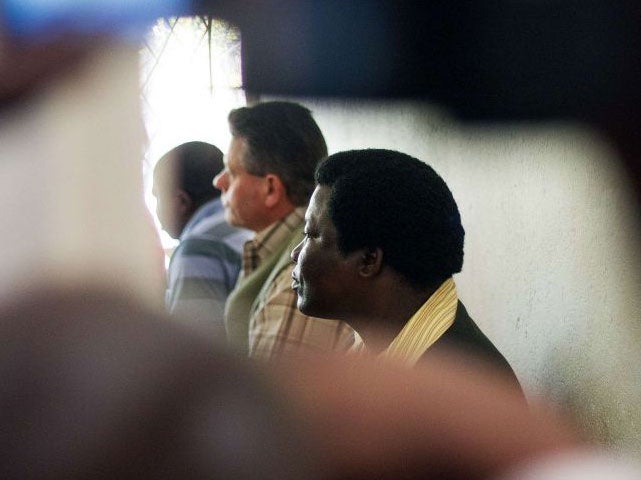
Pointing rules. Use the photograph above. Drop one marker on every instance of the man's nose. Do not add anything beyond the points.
(220, 181)
(295, 252)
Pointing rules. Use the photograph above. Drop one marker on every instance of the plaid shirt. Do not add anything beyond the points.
(277, 326)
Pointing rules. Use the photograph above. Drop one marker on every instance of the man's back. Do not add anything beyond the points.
(205, 265)
(203, 270)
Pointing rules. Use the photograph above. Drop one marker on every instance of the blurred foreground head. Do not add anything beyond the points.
(95, 386)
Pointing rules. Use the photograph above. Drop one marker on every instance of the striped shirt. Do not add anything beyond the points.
(204, 269)
(426, 326)
(277, 326)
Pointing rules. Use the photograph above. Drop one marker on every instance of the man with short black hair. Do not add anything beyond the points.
(205, 265)
(266, 184)
(383, 237)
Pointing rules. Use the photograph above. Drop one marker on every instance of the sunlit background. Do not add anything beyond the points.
(191, 79)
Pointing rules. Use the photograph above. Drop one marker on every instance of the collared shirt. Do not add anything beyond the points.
(270, 240)
(277, 326)
(209, 221)
(204, 268)
(426, 326)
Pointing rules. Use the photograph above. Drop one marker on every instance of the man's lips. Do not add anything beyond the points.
(295, 282)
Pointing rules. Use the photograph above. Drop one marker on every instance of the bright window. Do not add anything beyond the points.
(191, 79)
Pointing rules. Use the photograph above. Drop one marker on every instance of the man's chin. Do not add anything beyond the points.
(310, 311)
(303, 306)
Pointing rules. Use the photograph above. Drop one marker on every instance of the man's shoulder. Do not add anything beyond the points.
(197, 251)
(464, 331)
(466, 335)
(215, 227)
(216, 231)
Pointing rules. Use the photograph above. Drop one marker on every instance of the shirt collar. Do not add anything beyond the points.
(206, 210)
(271, 238)
(426, 326)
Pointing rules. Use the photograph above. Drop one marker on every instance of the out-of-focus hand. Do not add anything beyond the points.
(27, 66)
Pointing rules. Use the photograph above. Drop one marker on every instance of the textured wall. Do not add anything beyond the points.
(552, 267)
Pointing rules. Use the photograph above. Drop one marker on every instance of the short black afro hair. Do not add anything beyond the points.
(389, 200)
(193, 166)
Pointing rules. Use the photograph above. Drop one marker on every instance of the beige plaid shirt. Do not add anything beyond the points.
(277, 326)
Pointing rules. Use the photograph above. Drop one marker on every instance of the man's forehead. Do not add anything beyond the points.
(236, 151)
(321, 192)
(318, 202)
(165, 173)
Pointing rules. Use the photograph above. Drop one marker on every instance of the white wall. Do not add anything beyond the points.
(552, 264)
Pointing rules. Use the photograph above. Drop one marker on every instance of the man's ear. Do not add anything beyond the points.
(370, 262)
(184, 203)
(275, 190)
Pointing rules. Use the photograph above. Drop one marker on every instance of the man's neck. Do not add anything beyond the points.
(272, 217)
(390, 306)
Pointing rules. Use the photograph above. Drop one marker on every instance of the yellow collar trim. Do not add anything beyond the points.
(426, 326)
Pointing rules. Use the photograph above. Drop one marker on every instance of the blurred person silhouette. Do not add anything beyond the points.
(266, 184)
(204, 266)
(383, 239)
